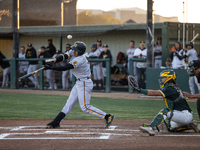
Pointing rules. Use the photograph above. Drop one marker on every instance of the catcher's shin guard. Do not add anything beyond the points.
(159, 119)
(56, 122)
(109, 119)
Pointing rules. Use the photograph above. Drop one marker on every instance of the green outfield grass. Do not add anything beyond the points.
(17, 106)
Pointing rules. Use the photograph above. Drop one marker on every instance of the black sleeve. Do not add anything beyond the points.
(171, 55)
(101, 56)
(179, 57)
(63, 68)
(59, 58)
(109, 55)
(2, 57)
(26, 53)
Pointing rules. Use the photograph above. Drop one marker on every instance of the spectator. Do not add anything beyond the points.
(168, 63)
(33, 65)
(23, 66)
(45, 54)
(177, 57)
(192, 55)
(99, 45)
(5, 65)
(51, 48)
(141, 66)
(158, 53)
(95, 53)
(105, 54)
(130, 52)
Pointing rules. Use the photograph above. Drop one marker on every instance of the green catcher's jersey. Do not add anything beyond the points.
(174, 98)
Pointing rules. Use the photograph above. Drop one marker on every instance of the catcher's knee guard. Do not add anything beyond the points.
(159, 119)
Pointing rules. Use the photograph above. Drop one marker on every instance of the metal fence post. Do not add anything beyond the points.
(130, 72)
(13, 74)
(108, 76)
(41, 76)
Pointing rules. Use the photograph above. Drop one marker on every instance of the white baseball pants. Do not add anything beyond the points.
(5, 75)
(49, 77)
(81, 93)
(179, 118)
(192, 82)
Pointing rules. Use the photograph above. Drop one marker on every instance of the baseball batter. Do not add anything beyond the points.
(95, 53)
(81, 90)
(177, 109)
(194, 70)
(192, 55)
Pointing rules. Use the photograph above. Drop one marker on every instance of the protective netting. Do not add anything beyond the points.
(72, 12)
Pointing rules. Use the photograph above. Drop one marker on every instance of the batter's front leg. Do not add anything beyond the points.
(72, 100)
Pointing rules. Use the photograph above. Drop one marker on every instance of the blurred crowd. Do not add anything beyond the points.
(177, 60)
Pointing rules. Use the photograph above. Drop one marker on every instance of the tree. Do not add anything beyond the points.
(86, 18)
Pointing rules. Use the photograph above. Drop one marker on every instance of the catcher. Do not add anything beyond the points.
(177, 109)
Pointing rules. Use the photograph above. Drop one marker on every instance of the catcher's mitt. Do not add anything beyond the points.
(133, 83)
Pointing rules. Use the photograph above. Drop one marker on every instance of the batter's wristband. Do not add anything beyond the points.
(144, 91)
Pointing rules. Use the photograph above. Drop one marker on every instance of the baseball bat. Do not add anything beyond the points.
(30, 74)
(195, 37)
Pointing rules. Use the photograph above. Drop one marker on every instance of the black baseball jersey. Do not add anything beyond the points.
(51, 49)
(174, 98)
(31, 53)
(3, 64)
(106, 54)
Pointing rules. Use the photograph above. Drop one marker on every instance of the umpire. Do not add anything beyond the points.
(194, 70)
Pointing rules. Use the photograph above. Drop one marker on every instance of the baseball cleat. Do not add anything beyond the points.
(195, 126)
(148, 130)
(56, 122)
(109, 120)
(52, 125)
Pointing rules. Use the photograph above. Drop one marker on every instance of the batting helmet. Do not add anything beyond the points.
(80, 47)
(94, 45)
(170, 75)
(189, 43)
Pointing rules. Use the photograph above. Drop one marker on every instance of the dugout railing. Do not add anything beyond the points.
(14, 72)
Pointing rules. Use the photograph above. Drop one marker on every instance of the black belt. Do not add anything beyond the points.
(83, 78)
(158, 58)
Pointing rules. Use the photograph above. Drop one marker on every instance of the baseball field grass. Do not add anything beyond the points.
(35, 106)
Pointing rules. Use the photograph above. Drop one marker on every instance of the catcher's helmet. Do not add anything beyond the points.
(80, 47)
(192, 66)
(170, 75)
(94, 45)
(189, 43)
